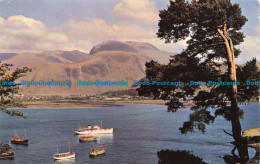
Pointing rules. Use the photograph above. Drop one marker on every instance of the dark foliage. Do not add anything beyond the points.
(8, 91)
(204, 97)
(199, 20)
(178, 157)
(249, 72)
(6, 95)
(231, 159)
(5, 148)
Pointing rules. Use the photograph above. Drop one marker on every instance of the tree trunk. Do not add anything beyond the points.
(240, 143)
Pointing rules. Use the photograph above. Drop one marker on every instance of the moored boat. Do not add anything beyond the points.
(94, 130)
(67, 155)
(96, 152)
(87, 138)
(18, 140)
(7, 155)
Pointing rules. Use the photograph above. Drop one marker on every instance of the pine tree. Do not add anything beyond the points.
(212, 31)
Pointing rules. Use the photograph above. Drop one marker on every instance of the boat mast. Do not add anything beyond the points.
(25, 134)
(79, 126)
(69, 146)
(15, 134)
(101, 124)
(57, 149)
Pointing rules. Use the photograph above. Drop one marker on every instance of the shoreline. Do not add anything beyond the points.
(62, 104)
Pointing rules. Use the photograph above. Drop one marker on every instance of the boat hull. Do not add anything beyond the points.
(97, 153)
(23, 142)
(100, 131)
(88, 139)
(65, 157)
(9, 155)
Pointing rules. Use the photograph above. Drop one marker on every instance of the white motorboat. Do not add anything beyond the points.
(94, 130)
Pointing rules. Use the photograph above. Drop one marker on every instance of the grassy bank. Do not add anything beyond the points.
(60, 104)
(39, 104)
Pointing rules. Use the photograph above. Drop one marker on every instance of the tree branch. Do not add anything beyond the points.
(229, 40)
(227, 133)
(239, 66)
(230, 55)
(222, 35)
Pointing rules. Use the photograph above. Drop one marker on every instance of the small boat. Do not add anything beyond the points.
(67, 155)
(7, 155)
(94, 130)
(18, 140)
(87, 138)
(96, 152)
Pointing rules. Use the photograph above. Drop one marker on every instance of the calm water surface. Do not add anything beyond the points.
(139, 132)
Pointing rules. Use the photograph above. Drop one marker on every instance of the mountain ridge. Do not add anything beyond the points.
(108, 61)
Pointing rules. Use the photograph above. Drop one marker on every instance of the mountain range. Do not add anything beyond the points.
(109, 61)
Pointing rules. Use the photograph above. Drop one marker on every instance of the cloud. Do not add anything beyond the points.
(97, 30)
(5, 1)
(258, 10)
(19, 33)
(250, 47)
(142, 11)
(22, 34)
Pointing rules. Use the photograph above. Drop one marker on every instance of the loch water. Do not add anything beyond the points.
(139, 132)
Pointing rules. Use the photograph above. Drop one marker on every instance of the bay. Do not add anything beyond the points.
(139, 132)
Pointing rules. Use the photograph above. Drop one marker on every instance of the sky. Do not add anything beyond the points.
(46, 25)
